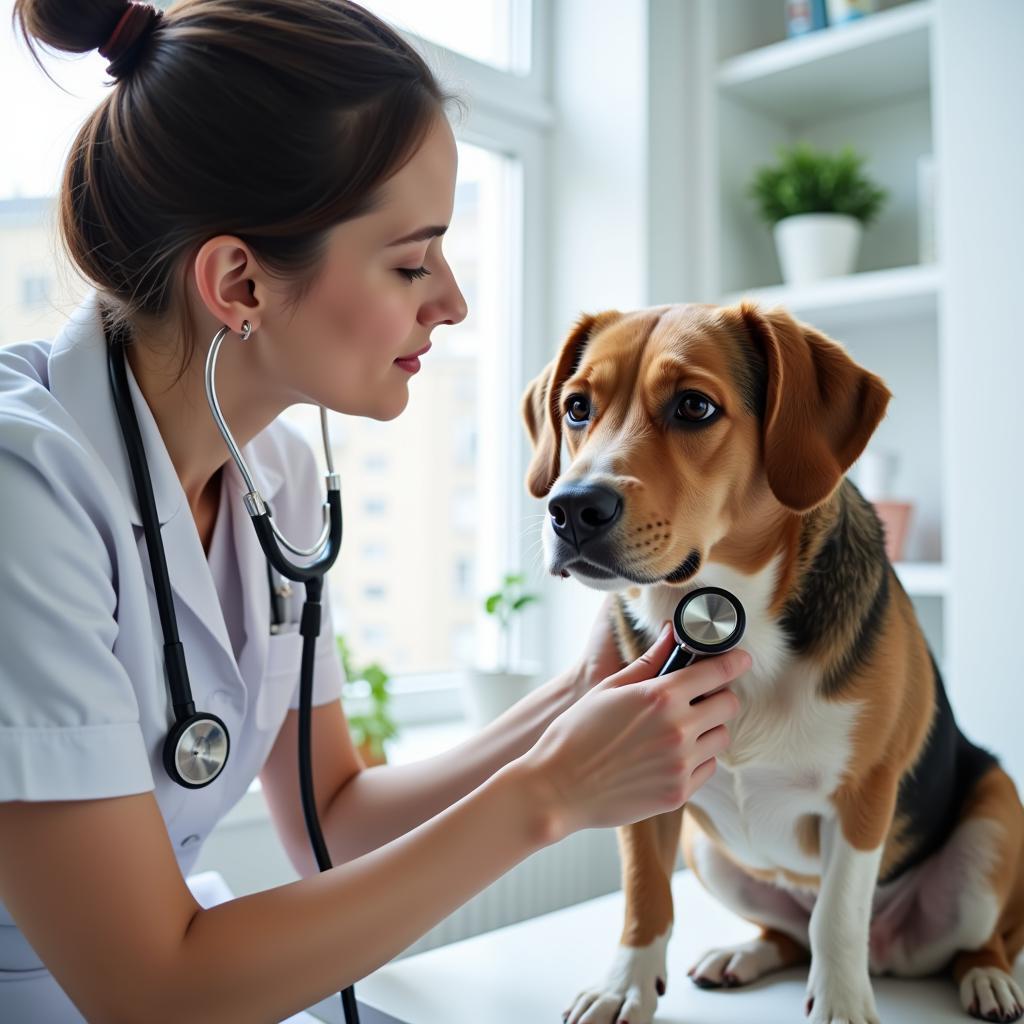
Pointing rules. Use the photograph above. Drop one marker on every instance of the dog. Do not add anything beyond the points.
(849, 818)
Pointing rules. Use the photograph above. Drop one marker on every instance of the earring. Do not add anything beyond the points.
(246, 330)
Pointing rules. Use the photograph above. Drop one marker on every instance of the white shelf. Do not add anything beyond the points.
(924, 579)
(900, 293)
(840, 68)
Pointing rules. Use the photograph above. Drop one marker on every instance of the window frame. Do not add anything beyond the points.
(509, 112)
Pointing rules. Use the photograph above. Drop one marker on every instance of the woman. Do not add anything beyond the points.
(286, 163)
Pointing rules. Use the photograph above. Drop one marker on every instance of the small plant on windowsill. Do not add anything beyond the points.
(489, 692)
(371, 728)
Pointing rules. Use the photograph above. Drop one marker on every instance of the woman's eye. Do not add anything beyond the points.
(412, 273)
(578, 410)
(695, 408)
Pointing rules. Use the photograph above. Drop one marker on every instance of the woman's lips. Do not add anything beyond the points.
(411, 363)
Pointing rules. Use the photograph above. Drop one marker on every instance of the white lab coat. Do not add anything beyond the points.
(84, 706)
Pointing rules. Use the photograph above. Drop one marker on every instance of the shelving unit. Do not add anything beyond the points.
(861, 299)
(843, 68)
(868, 84)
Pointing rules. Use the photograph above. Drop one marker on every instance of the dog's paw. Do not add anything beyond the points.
(736, 965)
(991, 994)
(838, 997)
(629, 994)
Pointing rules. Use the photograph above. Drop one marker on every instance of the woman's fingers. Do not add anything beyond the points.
(697, 681)
(712, 742)
(700, 775)
(710, 712)
(648, 665)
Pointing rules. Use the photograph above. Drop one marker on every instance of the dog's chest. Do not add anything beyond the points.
(789, 747)
(786, 758)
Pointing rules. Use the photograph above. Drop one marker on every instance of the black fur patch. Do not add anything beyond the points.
(932, 794)
(687, 567)
(847, 581)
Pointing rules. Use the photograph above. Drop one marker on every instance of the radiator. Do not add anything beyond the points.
(584, 865)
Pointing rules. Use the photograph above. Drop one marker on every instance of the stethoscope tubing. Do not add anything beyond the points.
(325, 551)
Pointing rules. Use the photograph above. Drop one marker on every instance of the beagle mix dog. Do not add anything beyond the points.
(849, 818)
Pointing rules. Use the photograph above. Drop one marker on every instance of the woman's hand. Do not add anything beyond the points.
(636, 744)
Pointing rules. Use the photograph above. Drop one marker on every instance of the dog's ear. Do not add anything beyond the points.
(820, 407)
(541, 410)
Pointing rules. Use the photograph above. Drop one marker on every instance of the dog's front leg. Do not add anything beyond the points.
(637, 976)
(839, 986)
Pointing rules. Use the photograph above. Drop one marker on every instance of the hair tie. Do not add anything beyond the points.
(124, 46)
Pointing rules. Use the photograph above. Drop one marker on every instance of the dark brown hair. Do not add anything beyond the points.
(271, 120)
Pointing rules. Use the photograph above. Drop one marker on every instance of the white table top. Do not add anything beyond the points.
(529, 972)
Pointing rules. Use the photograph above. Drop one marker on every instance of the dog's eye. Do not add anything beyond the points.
(578, 410)
(695, 408)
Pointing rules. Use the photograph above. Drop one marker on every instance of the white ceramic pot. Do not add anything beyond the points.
(486, 694)
(813, 246)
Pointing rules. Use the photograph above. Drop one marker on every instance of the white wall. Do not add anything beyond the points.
(980, 151)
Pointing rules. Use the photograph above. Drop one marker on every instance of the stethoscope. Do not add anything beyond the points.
(707, 621)
(196, 748)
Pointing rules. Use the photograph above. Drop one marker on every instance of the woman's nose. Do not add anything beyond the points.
(449, 306)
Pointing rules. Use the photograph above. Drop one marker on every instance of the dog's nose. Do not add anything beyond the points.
(581, 512)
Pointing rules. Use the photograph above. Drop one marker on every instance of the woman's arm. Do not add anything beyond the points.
(95, 888)
(363, 808)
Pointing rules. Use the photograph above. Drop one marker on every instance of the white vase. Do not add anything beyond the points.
(813, 246)
(486, 694)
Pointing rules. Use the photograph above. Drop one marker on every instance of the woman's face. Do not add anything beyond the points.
(383, 287)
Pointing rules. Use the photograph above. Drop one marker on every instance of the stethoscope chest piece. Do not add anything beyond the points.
(707, 621)
(196, 750)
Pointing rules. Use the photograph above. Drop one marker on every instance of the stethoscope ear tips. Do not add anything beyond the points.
(196, 750)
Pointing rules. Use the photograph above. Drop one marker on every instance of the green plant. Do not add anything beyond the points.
(505, 602)
(375, 726)
(807, 180)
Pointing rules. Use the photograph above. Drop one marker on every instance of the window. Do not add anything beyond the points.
(37, 122)
(35, 291)
(434, 499)
(464, 577)
(491, 31)
(464, 510)
(375, 637)
(465, 441)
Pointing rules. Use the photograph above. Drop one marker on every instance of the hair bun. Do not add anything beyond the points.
(124, 46)
(116, 28)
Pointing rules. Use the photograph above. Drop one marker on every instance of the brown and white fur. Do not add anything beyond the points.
(849, 818)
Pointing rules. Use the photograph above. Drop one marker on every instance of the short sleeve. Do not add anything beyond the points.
(69, 718)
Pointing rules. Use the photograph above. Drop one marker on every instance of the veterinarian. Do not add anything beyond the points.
(281, 171)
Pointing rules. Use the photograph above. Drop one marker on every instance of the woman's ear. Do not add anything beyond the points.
(820, 407)
(541, 405)
(226, 275)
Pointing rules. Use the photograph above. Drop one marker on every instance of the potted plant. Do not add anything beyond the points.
(818, 204)
(489, 692)
(372, 727)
